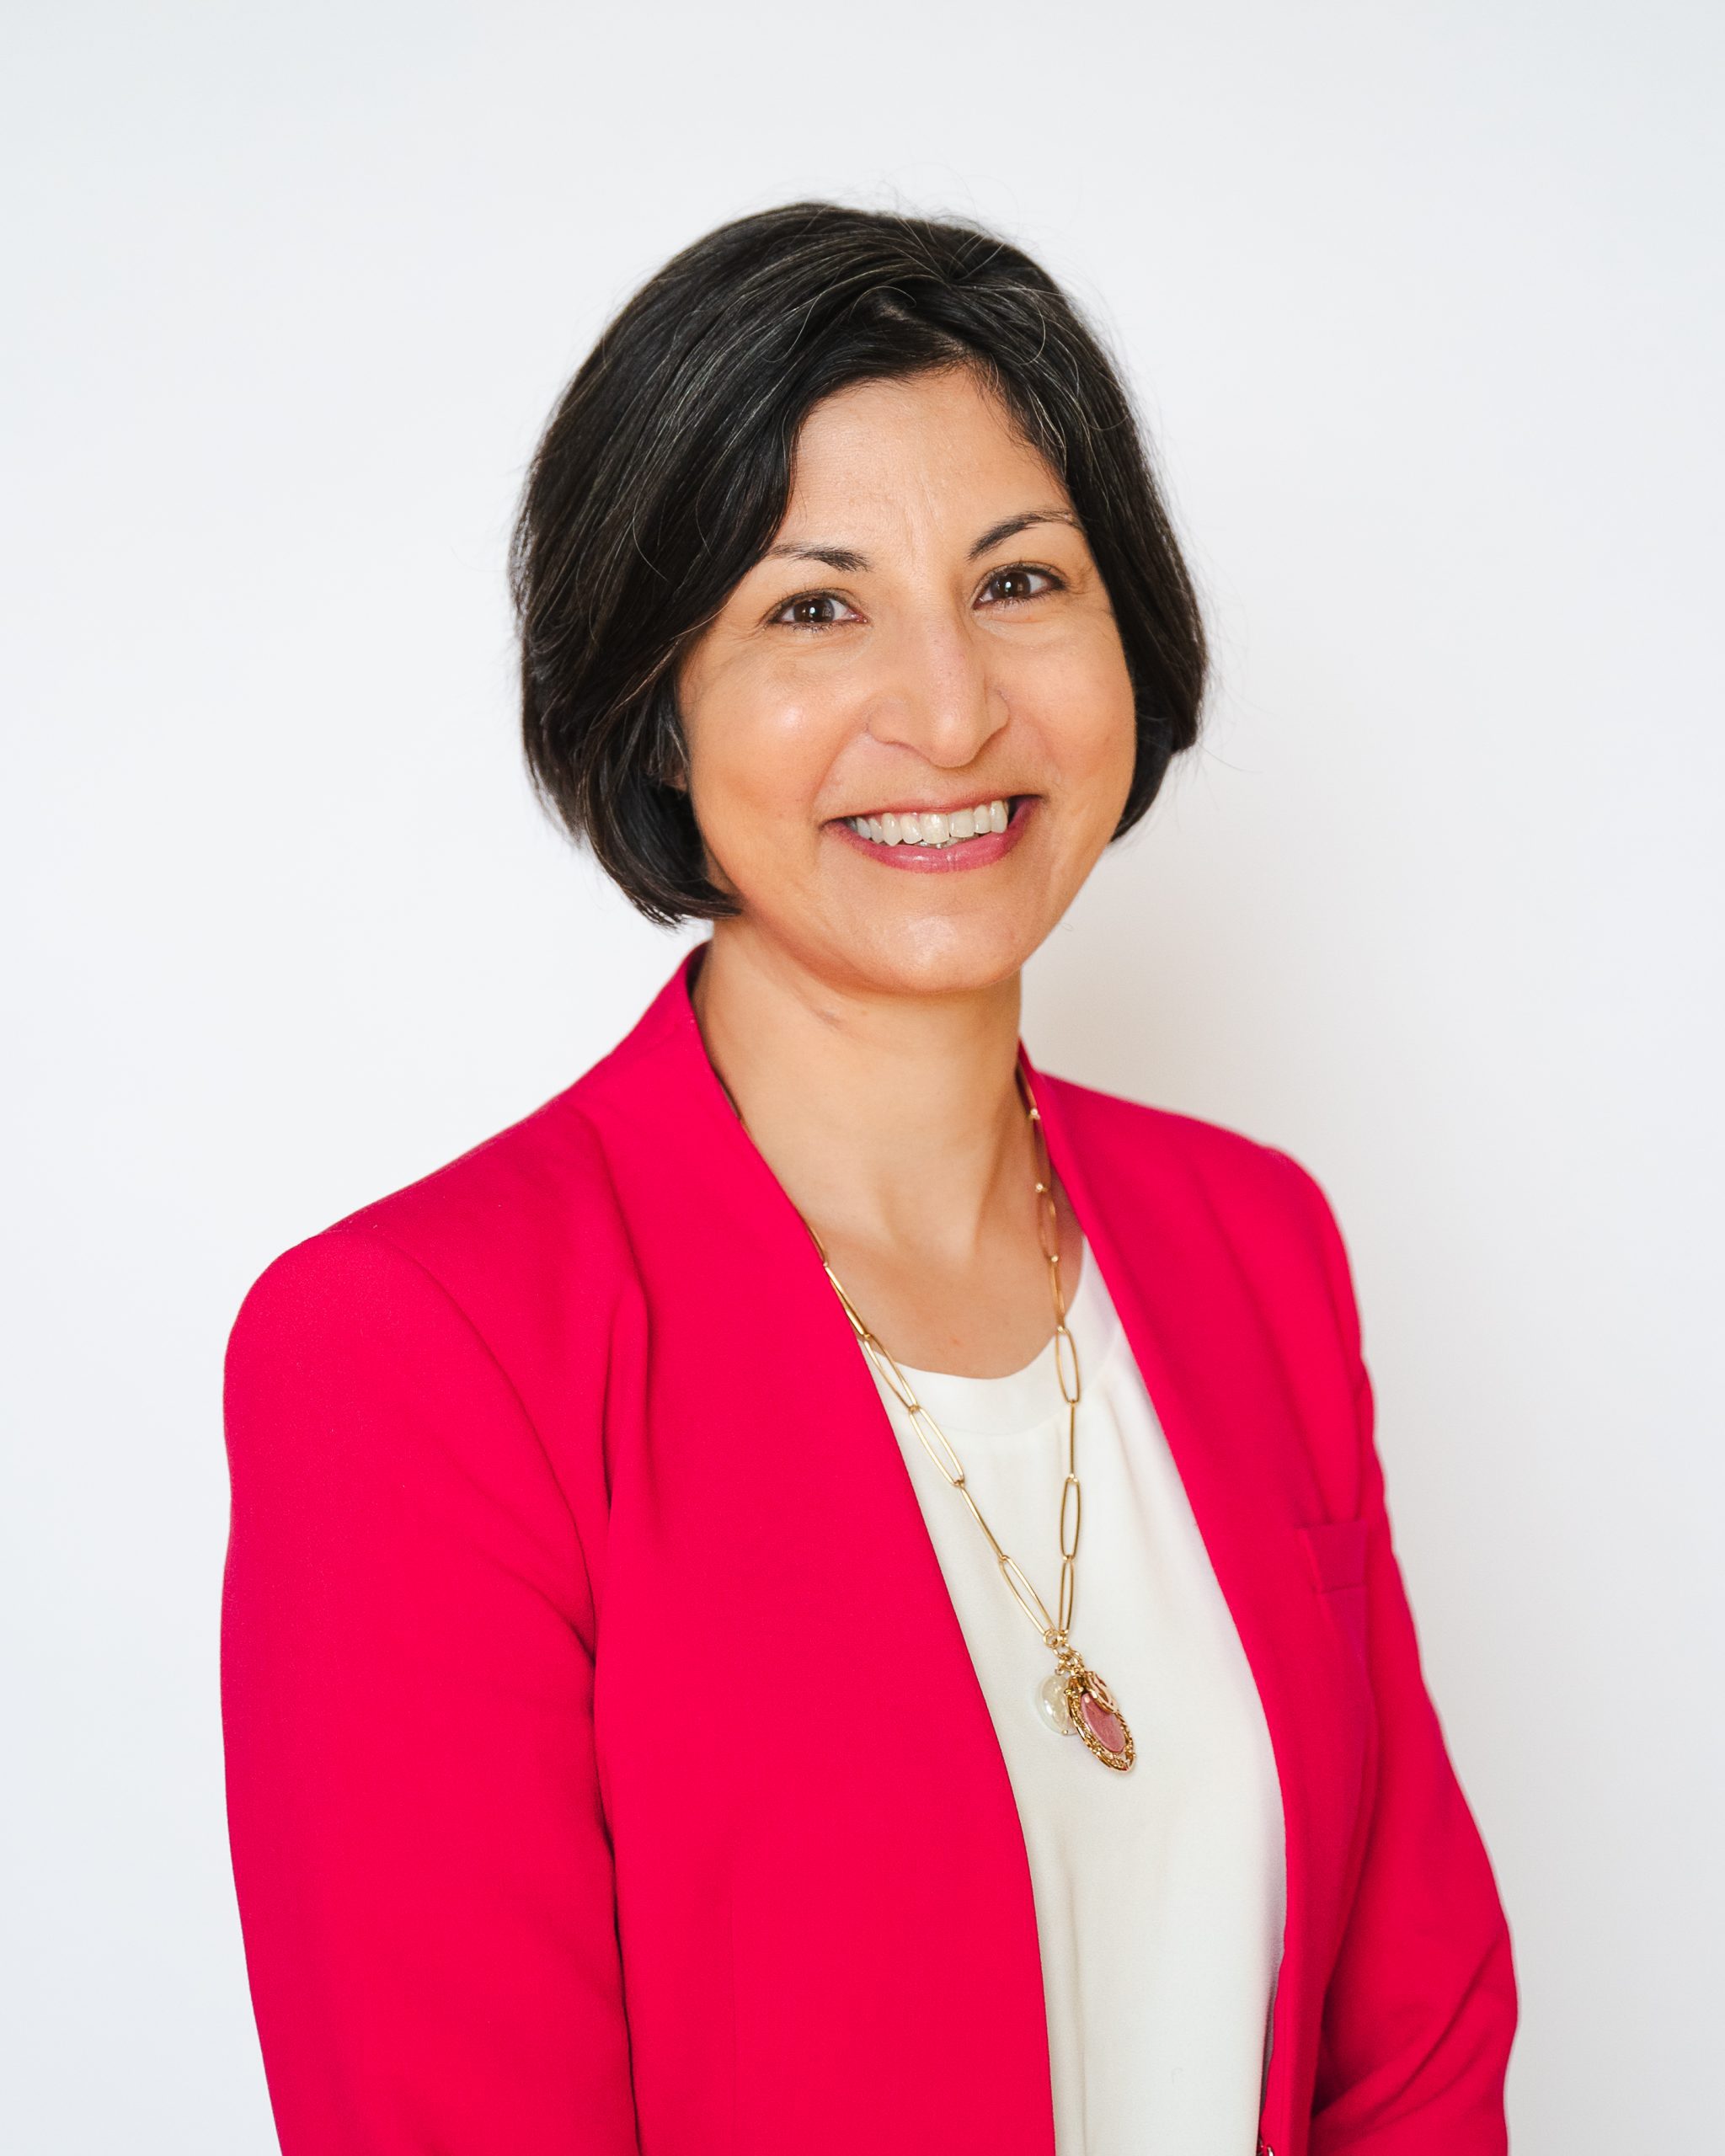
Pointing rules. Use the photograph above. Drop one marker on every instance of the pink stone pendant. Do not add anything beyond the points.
(1096, 1718)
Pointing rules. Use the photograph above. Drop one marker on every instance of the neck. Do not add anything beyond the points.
(888, 1119)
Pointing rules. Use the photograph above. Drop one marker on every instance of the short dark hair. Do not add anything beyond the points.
(665, 470)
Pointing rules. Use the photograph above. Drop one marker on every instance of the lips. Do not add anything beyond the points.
(930, 844)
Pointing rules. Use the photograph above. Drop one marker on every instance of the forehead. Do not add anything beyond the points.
(932, 448)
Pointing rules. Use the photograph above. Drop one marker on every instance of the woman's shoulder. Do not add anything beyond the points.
(428, 1371)
(518, 1239)
(1129, 1136)
(1164, 1166)
(521, 1208)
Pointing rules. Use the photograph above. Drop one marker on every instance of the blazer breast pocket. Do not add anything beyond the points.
(1335, 1553)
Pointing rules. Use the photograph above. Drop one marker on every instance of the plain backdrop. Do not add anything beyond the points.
(1423, 305)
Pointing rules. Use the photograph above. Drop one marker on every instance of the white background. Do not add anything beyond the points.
(1424, 305)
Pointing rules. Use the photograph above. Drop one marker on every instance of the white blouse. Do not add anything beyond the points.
(1160, 1891)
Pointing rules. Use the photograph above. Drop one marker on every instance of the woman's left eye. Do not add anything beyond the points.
(1013, 587)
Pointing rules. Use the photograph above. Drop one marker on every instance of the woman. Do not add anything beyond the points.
(635, 1734)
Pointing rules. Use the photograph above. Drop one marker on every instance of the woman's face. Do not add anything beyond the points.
(926, 638)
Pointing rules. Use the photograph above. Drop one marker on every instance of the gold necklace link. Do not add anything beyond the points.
(939, 1447)
(1075, 1700)
(1048, 1228)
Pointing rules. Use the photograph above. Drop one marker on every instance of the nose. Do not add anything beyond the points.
(936, 695)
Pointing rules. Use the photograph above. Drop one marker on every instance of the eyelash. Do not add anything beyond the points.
(1055, 582)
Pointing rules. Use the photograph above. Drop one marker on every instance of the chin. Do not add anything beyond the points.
(942, 957)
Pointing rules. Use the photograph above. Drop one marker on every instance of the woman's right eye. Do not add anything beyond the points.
(814, 610)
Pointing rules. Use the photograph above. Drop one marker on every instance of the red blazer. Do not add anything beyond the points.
(606, 1768)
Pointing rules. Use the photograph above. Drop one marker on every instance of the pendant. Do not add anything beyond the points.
(1075, 1702)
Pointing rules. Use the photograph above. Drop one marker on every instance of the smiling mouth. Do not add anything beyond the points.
(934, 827)
(938, 838)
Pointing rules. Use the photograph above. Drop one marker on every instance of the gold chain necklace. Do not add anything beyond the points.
(1074, 1701)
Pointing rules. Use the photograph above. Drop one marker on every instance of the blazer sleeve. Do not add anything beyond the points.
(1421, 2007)
(423, 1865)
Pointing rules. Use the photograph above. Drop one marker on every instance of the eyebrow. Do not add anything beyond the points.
(849, 563)
(1008, 525)
(843, 558)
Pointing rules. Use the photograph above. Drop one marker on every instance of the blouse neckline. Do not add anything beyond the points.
(1027, 1398)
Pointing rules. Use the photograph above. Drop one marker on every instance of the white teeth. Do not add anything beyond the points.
(933, 827)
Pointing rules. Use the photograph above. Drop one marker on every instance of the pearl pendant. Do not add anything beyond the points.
(1051, 1697)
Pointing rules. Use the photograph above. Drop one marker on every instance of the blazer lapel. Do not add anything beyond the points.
(836, 1745)
(1208, 1362)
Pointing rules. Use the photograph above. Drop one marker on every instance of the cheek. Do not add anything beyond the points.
(1086, 715)
(761, 743)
